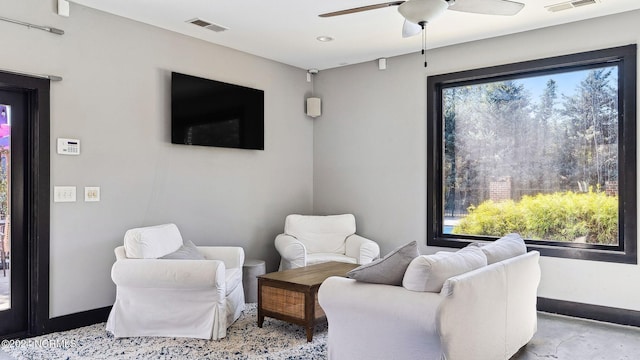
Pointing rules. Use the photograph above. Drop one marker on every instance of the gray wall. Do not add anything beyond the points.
(115, 99)
(370, 147)
(366, 154)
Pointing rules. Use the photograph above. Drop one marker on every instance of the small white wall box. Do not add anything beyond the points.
(68, 146)
(382, 64)
(314, 106)
(63, 8)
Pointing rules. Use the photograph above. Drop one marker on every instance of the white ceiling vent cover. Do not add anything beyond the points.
(570, 5)
(208, 25)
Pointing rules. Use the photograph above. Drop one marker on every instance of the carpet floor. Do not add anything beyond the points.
(245, 340)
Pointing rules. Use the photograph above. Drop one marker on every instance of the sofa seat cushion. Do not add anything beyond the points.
(318, 258)
(152, 242)
(429, 272)
(233, 278)
(506, 247)
(390, 269)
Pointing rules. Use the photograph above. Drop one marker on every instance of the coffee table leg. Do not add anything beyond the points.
(260, 313)
(310, 314)
(260, 318)
(310, 333)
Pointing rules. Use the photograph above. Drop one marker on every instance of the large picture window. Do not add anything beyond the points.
(544, 148)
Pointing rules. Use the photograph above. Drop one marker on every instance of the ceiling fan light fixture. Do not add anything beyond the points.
(417, 11)
(324, 38)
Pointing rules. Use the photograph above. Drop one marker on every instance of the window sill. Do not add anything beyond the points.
(559, 250)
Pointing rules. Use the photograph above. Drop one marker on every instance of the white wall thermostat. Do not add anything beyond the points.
(68, 146)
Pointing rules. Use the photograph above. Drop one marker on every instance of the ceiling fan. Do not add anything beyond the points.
(418, 13)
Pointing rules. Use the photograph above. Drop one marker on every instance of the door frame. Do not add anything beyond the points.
(37, 180)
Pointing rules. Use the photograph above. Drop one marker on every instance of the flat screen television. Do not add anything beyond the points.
(213, 113)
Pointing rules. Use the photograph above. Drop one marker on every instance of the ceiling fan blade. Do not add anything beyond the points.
(488, 7)
(410, 29)
(362, 8)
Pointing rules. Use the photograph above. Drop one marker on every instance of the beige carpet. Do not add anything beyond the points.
(245, 340)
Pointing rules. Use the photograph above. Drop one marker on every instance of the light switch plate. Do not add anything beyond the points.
(64, 194)
(92, 193)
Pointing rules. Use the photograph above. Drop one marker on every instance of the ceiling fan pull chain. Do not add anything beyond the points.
(424, 42)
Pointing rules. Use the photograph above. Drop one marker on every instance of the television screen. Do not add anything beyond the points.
(213, 113)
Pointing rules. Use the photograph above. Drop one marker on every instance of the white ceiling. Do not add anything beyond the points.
(286, 30)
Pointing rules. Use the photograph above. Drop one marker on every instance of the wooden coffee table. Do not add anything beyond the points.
(292, 295)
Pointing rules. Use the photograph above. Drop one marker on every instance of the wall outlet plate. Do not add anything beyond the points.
(91, 193)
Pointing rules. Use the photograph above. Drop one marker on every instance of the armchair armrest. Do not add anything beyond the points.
(232, 256)
(120, 253)
(291, 250)
(165, 273)
(361, 248)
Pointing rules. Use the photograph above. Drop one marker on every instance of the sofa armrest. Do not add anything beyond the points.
(361, 248)
(496, 304)
(374, 321)
(166, 273)
(232, 256)
(291, 250)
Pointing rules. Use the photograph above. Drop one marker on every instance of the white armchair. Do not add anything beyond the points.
(176, 296)
(309, 240)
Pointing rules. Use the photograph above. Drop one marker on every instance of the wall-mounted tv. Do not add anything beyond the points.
(213, 113)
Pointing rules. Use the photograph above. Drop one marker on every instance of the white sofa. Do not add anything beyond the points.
(177, 296)
(309, 239)
(485, 314)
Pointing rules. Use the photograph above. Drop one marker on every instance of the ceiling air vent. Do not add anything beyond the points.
(208, 25)
(570, 5)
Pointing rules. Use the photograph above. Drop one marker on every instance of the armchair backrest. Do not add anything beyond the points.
(152, 242)
(321, 234)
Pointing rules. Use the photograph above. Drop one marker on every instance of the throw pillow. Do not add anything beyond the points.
(390, 269)
(188, 251)
(429, 272)
(506, 247)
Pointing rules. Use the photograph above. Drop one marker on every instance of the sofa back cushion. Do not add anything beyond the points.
(429, 272)
(321, 234)
(152, 242)
(506, 247)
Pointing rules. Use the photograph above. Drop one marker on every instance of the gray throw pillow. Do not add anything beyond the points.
(390, 269)
(188, 251)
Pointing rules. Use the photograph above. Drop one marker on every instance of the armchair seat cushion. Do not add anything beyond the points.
(318, 258)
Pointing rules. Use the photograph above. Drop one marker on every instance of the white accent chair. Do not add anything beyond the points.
(309, 240)
(174, 297)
